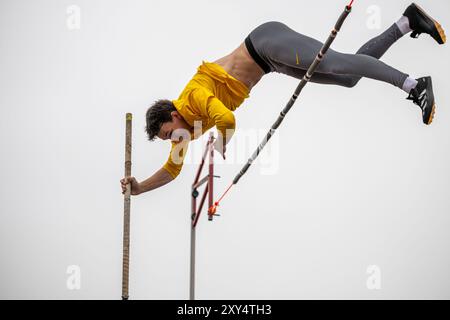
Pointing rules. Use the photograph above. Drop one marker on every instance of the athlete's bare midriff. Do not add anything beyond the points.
(241, 65)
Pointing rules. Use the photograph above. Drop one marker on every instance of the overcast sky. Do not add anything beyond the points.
(349, 200)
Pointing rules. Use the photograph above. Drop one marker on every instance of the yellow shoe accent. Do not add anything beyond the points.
(436, 24)
(433, 111)
(441, 31)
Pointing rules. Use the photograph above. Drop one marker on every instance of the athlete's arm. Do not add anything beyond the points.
(223, 118)
(166, 174)
(158, 179)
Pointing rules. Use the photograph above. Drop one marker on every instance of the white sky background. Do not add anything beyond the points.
(358, 180)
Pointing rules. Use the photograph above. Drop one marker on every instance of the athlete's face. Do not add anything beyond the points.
(168, 128)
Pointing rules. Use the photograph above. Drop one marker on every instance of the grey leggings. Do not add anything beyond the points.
(278, 48)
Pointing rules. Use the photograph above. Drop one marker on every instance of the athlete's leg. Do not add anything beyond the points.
(375, 47)
(361, 65)
(289, 52)
(414, 20)
(277, 48)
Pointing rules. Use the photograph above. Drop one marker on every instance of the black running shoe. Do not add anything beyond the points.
(421, 22)
(423, 96)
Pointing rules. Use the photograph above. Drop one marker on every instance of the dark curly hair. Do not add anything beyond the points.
(156, 115)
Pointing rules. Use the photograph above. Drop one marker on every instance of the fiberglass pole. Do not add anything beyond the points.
(299, 88)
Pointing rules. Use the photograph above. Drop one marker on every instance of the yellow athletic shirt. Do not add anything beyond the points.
(210, 97)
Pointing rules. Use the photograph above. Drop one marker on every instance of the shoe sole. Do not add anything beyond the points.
(433, 111)
(437, 25)
(433, 107)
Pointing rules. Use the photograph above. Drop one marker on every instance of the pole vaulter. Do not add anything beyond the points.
(218, 88)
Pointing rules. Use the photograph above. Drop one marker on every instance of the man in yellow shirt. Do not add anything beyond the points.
(218, 88)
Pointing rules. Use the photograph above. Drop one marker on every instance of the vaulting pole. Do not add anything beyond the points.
(299, 88)
(126, 211)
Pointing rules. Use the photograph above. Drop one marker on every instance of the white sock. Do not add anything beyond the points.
(403, 25)
(410, 83)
